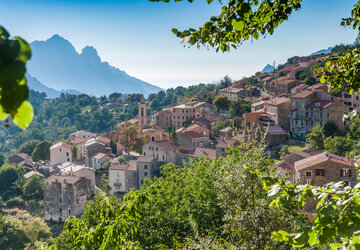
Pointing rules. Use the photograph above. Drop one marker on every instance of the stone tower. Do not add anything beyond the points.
(142, 117)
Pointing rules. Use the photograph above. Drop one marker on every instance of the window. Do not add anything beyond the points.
(157, 149)
(60, 149)
(328, 115)
(144, 153)
(345, 173)
(60, 200)
(308, 173)
(152, 138)
(117, 174)
(142, 182)
(149, 148)
(67, 153)
(145, 167)
(320, 172)
(69, 211)
(145, 173)
(60, 210)
(163, 157)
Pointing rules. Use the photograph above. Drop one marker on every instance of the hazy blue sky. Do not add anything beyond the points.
(135, 35)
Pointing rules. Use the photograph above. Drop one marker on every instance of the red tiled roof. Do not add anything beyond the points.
(167, 145)
(103, 139)
(276, 130)
(193, 134)
(320, 104)
(320, 158)
(77, 140)
(226, 143)
(277, 101)
(303, 94)
(205, 152)
(285, 166)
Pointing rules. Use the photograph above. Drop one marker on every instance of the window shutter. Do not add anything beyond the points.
(349, 172)
(341, 173)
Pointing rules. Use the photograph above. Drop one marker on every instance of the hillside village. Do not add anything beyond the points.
(285, 105)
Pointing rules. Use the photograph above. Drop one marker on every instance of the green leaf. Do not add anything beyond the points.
(25, 50)
(238, 25)
(322, 79)
(3, 115)
(24, 115)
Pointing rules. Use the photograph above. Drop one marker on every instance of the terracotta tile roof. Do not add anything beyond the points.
(284, 165)
(205, 152)
(28, 175)
(167, 145)
(63, 179)
(103, 139)
(77, 140)
(303, 94)
(119, 166)
(62, 144)
(276, 130)
(193, 134)
(227, 129)
(226, 143)
(301, 87)
(320, 158)
(320, 104)
(145, 159)
(277, 101)
(99, 156)
(285, 80)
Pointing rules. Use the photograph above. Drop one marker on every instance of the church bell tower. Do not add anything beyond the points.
(142, 117)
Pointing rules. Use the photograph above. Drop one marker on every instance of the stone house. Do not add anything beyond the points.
(324, 168)
(192, 138)
(145, 168)
(60, 152)
(223, 145)
(99, 159)
(92, 148)
(309, 108)
(71, 169)
(185, 154)
(279, 108)
(226, 133)
(287, 164)
(80, 147)
(164, 118)
(65, 196)
(189, 111)
(285, 84)
(21, 159)
(82, 134)
(122, 177)
(352, 100)
(155, 133)
(306, 63)
(163, 151)
(276, 136)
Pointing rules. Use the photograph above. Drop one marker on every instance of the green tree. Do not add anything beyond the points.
(42, 151)
(284, 151)
(9, 174)
(221, 102)
(339, 145)
(173, 135)
(28, 147)
(33, 188)
(130, 137)
(2, 159)
(219, 126)
(310, 80)
(240, 107)
(331, 129)
(355, 128)
(316, 137)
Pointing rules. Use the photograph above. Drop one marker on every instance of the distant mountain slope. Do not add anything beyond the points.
(323, 51)
(34, 84)
(56, 63)
(268, 68)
